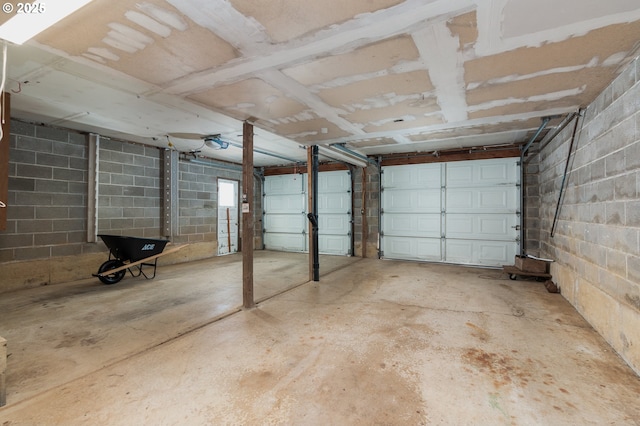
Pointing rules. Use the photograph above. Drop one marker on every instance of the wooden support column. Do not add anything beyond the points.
(309, 204)
(247, 216)
(4, 159)
(312, 215)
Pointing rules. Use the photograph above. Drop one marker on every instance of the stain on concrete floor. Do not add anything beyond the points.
(377, 342)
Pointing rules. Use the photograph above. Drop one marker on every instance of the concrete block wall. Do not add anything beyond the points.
(198, 200)
(46, 237)
(198, 203)
(3, 369)
(596, 245)
(129, 189)
(47, 194)
(531, 207)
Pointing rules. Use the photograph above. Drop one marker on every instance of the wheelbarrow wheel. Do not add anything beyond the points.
(111, 278)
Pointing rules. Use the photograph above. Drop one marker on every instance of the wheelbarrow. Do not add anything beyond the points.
(130, 254)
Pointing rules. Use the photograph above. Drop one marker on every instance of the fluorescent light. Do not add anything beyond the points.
(35, 17)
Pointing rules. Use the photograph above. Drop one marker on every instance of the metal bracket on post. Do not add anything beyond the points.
(313, 214)
(93, 142)
(170, 193)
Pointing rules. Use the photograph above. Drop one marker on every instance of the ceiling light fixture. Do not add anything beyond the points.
(30, 19)
(214, 142)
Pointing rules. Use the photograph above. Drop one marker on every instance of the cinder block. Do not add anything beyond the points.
(52, 133)
(133, 149)
(47, 159)
(35, 171)
(624, 81)
(69, 200)
(632, 155)
(69, 175)
(32, 144)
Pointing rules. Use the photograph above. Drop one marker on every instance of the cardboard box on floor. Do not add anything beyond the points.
(528, 264)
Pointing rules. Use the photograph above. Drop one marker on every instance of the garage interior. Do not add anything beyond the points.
(432, 142)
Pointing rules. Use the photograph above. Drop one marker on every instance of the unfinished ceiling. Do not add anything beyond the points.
(382, 76)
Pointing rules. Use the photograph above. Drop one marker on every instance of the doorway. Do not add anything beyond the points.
(227, 216)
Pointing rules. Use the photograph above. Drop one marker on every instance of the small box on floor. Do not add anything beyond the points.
(528, 264)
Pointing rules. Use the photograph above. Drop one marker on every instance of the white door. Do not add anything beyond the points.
(460, 212)
(284, 206)
(334, 213)
(285, 213)
(411, 207)
(227, 216)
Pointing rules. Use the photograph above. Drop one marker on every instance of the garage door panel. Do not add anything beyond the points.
(334, 244)
(478, 252)
(284, 242)
(412, 176)
(285, 223)
(473, 204)
(481, 226)
(482, 173)
(337, 181)
(334, 224)
(412, 201)
(336, 203)
(282, 204)
(285, 219)
(284, 184)
(482, 200)
(412, 225)
(412, 248)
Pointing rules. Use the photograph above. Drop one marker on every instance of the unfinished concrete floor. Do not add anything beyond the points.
(374, 342)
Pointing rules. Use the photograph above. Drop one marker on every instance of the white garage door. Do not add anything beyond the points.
(285, 213)
(461, 212)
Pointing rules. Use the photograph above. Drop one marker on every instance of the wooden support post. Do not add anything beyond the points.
(3, 369)
(309, 204)
(4, 159)
(312, 215)
(247, 216)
